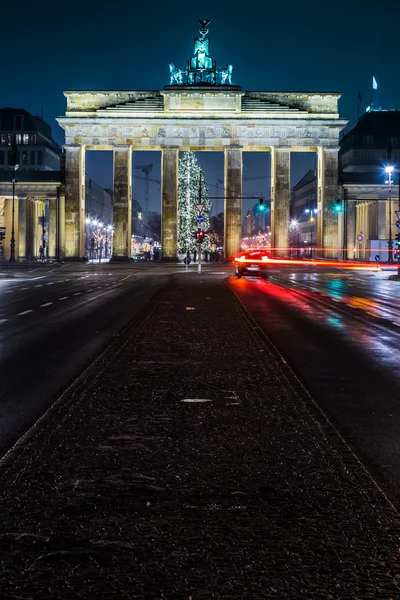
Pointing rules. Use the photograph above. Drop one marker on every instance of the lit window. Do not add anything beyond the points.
(32, 139)
(6, 139)
(18, 138)
(25, 138)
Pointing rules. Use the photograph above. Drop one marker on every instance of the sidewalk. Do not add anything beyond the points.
(190, 464)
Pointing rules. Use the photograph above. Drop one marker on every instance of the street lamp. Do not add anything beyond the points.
(389, 171)
(12, 243)
(294, 226)
(311, 212)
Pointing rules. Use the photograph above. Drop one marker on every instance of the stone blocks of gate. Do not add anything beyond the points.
(122, 204)
(74, 202)
(169, 202)
(233, 168)
(202, 119)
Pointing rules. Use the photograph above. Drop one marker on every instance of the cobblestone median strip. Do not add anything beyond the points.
(188, 467)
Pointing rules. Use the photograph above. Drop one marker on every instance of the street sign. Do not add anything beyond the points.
(200, 218)
(398, 223)
(397, 213)
(377, 257)
(360, 237)
(199, 207)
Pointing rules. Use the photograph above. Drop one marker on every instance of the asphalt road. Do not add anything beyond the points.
(52, 324)
(340, 333)
(338, 330)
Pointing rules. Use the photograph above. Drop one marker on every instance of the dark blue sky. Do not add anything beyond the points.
(302, 46)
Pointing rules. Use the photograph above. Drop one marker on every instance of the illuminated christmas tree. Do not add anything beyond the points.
(191, 191)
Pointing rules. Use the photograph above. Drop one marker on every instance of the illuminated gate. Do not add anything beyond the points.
(200, 110)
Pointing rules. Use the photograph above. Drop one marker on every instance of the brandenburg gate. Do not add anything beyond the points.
(200, 110)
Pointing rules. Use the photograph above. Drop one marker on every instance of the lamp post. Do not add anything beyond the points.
(12, 243)
(294, 227)
(312, 212)
(389, 171)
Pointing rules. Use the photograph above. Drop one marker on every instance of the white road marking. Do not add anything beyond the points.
(196, 400)
(64, 298)
(77, 294)
(22, 289)
(3, 320)
(89, 290)
(52, 283)
(8, 292)
(40, 285)
(25, 312)
(46, 304)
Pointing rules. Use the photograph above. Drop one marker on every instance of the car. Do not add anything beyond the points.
(253, 262)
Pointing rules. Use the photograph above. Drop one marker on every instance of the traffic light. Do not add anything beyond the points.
(200, 236)
(398, 240)
(261, 204)
(338, 206)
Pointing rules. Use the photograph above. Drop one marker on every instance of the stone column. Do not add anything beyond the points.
(350, 224)
(122, 208)
(52, 232)
(327, 219)
(233, 168)
(169, 203)
(21, 248)
(383, 208)
(74, 202)
(280, 200)
(61, 223)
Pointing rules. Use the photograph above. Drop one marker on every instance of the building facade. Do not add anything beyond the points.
(370, 194)
(36, 148)
(305, 211)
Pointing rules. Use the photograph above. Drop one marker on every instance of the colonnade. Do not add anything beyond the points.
(327, 232)
(28, 230)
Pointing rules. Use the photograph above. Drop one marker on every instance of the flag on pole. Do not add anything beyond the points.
(374, 84)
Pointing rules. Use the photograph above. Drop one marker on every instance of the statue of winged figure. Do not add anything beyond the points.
(204, 26)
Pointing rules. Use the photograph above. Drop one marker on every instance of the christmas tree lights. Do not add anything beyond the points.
(191, 191)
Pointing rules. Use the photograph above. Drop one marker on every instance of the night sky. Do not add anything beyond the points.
(338, 46)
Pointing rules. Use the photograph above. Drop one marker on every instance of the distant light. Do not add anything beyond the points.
(389, 169)
(315, 210)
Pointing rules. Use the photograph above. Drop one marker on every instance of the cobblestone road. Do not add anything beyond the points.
(188, 465)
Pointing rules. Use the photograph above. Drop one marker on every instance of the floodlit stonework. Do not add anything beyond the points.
(201, 118)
